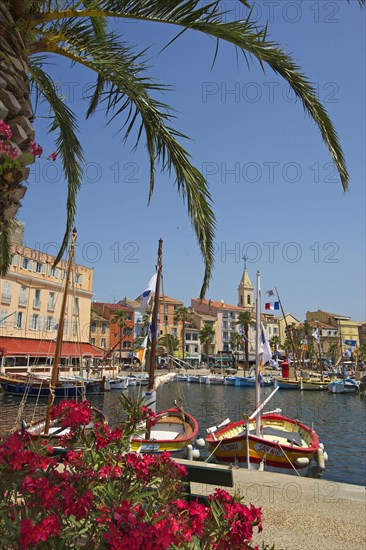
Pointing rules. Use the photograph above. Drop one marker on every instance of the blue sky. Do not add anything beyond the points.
(276, 195)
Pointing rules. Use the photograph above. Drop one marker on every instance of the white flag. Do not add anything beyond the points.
(265, 348)
(145, 297)
(316, 335)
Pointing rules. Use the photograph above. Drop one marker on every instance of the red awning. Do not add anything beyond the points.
(45, 348)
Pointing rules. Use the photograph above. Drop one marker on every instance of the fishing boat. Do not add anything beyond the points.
(47, 428)
(175, 430)
(287, 383)
(314, 382)
(249, 381)
(267, 441)
(345, 385)
(215, 379)
(32, 386)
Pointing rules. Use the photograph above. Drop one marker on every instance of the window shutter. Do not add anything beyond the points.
(39, 323)
(30, 322)
(30, 265)
(15, 259)
(43, 269)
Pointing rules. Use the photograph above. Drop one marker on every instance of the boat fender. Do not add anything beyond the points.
(200, 442)
(190, 452)
(196, 454)
(320, 458)
(302, 461)
(321, 445)
(325, 454)
(261, 466)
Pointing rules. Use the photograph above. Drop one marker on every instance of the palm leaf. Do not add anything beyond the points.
(68, 145)
(124, 91)
(247, 35)
(5, 254)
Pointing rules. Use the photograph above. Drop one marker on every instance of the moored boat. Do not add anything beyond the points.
(346, 385)
(31, 386)
(249, 381)
(287, 383)
(267, 441)
(173, 430)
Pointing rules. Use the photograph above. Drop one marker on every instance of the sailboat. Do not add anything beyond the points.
(174, 430)
(49, 428)
(267, 441)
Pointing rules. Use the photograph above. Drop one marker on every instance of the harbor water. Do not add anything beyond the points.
(338, 419)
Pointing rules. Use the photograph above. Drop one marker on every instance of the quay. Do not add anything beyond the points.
(298, 513)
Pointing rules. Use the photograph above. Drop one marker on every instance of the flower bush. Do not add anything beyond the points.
(100, 495)
(11, 158)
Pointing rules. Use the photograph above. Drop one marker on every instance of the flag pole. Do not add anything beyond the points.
(257, 356)
(289, 332)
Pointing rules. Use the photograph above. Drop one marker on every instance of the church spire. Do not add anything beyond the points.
(246, 290)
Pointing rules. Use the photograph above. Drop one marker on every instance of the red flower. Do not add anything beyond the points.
(5, 130)
(72, 414)
(52, 156)
(35, 149)
(31, 534)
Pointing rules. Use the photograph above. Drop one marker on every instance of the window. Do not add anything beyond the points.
(248, 300)
(54, 272)
(27, 264)
(103, 342)
(232, 326)
(3, 316)
(165, 318)
(74, 328)
(6, 295)
(174, 331)
(187, 349)
(51, 301)
(93, 327)
(48, 324)
(63, 274)
(76, 306)
(126, 331)
(188, 336)
(104, 328)
(37, 299)
(225, 315)
(195, 349)
(224, 324)
(92, 341)
(275, 330)
(241, 300)
(23, 296)
(232, 315)
(38, 267)
(195, 337)
(34, 321)
(78, 278)
(14, 261)
(225, 336)
(19, 319)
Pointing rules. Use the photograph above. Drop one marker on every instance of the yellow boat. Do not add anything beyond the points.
(284, 446)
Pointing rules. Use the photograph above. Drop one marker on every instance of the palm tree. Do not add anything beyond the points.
(236, 342)
(206, 334)
(245, 321)
(119, 318)
(169, 343)
(81, 32)
(275, 342)
(183, 315)
(333, 352)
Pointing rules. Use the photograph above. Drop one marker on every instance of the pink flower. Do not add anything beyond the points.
(5, 130)
(52, 156)
(35, 149)
(31, 534)
(72, 414)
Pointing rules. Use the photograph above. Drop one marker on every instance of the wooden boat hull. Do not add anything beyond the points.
(39, 388)
(174, 430)
(249, 382)
(285, 445)
(314, 385)
(287, 384)
(343, 386)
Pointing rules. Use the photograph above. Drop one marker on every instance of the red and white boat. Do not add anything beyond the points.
(267, 441)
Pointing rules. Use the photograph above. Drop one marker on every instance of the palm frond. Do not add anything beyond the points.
(125, 92)
(68, 145)
(247, 35)
(5, 255)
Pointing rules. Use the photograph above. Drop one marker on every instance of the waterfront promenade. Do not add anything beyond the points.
(301, 513)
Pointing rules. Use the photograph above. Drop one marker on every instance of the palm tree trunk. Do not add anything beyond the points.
(246, 348)
(15, 110)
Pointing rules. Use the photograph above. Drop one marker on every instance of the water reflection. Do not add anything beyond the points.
(339, 420)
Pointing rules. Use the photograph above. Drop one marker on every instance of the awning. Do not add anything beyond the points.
(23, 347)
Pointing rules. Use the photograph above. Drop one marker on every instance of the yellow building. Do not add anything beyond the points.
(30, 303)
(289, 320)
(347, 329)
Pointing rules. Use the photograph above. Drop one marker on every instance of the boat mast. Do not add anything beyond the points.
(54, 375)
(257, 355)
(289, 332)
(320, 353)
(155, 319)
